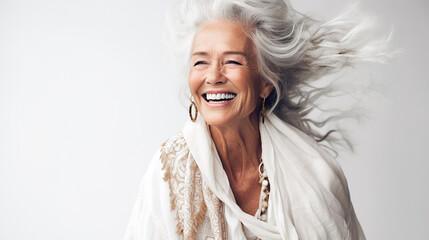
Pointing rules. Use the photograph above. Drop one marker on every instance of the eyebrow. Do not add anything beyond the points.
(224, 53)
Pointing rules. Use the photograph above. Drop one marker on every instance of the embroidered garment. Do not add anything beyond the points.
(186, 191)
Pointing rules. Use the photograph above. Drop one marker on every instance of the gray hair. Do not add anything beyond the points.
(293, 51)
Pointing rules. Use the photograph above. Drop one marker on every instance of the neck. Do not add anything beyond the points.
(239, 146)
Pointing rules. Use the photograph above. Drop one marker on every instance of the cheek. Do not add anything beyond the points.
(195, 81)
(249, 88)
(244, 81)
(239, 78)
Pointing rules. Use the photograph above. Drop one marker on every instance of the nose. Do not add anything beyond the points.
(215, 75)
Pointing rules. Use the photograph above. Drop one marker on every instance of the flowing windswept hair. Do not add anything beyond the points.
(293, 52)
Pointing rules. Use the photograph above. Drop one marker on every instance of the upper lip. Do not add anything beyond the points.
(218, 91)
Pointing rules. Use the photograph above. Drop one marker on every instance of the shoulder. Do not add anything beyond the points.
(148, 219)
(152, 216)
(318, 188)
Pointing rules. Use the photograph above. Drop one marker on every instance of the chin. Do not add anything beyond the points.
(216, 119)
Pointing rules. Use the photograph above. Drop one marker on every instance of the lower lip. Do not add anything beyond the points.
(218, 104)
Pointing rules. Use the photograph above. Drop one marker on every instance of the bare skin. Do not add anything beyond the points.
(239, 148)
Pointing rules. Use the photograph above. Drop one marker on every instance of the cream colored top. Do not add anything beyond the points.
(185, 185)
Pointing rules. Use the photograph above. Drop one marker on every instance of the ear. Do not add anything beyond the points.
(267, 88)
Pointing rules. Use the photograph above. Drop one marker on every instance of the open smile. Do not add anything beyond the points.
(219, 97)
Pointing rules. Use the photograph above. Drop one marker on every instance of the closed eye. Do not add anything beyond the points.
(233, 62)
(199, 63)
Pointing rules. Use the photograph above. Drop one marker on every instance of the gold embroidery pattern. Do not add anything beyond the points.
(184, 180)
(215, 211)
(189, 195)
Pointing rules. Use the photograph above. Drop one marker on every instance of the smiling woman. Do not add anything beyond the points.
(227, 88)
(248, 164)
(224, 65)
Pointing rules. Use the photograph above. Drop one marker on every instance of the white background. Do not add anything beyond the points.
(87, 95)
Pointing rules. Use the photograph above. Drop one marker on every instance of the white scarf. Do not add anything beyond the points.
(309, 197)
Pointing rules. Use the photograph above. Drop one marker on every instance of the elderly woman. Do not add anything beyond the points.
(248, 164)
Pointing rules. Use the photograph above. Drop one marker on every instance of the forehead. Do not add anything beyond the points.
(222, 36)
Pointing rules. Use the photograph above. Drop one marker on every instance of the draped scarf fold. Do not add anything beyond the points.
(309, 197)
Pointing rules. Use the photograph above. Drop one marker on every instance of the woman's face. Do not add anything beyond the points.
(224, 78)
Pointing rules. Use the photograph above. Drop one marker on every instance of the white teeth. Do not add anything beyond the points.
(220, 96)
